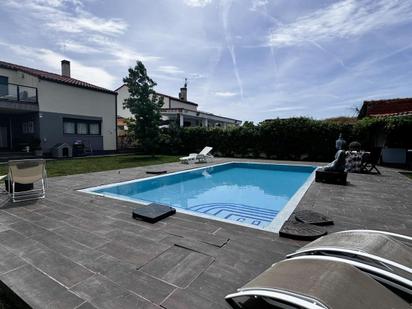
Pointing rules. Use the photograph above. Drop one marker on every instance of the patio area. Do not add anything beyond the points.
(76, 250)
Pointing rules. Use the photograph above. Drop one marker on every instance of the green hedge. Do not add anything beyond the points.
(287, 139)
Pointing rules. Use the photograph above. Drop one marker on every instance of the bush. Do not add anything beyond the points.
(287, 139)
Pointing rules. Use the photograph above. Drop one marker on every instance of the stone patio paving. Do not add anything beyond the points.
(76, 250)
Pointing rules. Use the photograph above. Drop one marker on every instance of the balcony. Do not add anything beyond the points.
(18, 93)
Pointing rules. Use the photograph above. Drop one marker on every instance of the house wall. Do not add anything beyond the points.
(123, 94)
(20, 78)
(51, 132)
(57, 101)
(180, 104)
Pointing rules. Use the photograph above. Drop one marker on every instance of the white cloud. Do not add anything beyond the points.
(344, 19)
(83, 32)
(77, 47)
(57, 17)
(121, 54)
(197, 3)
(50, 61)
(225, 94)
(256, 4)
(170, 69)
(285, 109)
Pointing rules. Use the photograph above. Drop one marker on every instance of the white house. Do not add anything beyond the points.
(54, 108)
(179, 110)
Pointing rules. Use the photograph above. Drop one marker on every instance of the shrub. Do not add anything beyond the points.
(287, 139)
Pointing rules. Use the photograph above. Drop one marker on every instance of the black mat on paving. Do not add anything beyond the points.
(156, 172)
(153, 212)
(312, 217)
(301, 231)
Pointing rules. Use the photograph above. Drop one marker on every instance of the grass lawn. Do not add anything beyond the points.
(407, 174)
(87, 165)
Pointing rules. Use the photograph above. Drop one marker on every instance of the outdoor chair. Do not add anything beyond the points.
(369, 161)
(201, 157)
(386, 257)
(27, 179)
(312, 283)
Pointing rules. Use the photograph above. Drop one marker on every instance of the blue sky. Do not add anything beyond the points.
(247, 59)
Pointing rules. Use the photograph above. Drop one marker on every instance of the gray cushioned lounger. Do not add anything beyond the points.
(385, 256)
(314, 284)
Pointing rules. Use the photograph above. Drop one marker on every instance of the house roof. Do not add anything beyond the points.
(390, 107)
(165, 95)
(54, 77)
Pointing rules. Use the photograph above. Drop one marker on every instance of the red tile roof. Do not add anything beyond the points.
(54, 77)
(390, 107)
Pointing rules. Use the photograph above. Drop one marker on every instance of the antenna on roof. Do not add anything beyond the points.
(185, 86)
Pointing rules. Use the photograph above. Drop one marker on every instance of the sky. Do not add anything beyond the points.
(246, 59)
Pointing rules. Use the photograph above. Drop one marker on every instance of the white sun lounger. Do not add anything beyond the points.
(312, 283)
(387, 257)
(27, 172)
(203, 156)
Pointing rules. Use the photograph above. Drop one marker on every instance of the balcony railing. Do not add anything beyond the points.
(19, 93)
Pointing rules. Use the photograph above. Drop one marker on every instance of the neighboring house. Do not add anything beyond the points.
(179, 110)
(383, 108)
(51, 108)
(123, 139)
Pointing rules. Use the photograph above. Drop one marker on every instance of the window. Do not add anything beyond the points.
(28, 127)
(69, 127)
(81, 127)
(94, 128)
(4, 88)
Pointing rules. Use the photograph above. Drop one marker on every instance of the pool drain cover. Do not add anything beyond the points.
(301, 231)
(312, 217)
(153, 212)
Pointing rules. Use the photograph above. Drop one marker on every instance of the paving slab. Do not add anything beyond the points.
(103, 293)
(56, 266)
(66, 247)
(38, 290)
(9, 261)
(131, 279)
(183, 299)
(178, 266)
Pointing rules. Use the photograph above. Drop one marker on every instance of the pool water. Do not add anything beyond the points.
(245, 193)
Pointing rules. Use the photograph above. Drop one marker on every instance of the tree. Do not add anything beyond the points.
(145, 106)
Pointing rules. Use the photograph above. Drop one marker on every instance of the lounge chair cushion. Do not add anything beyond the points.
(337, 285)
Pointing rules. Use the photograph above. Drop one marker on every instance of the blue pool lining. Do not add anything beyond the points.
(274, 226)
(291, 205)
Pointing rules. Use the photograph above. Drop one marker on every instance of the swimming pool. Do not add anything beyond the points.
(258, 195)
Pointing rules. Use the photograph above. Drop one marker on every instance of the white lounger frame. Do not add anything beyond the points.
(357, 252)
(402, 237)
(285, 296)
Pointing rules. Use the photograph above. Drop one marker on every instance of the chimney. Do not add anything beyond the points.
(183, 92)
(66, 68)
